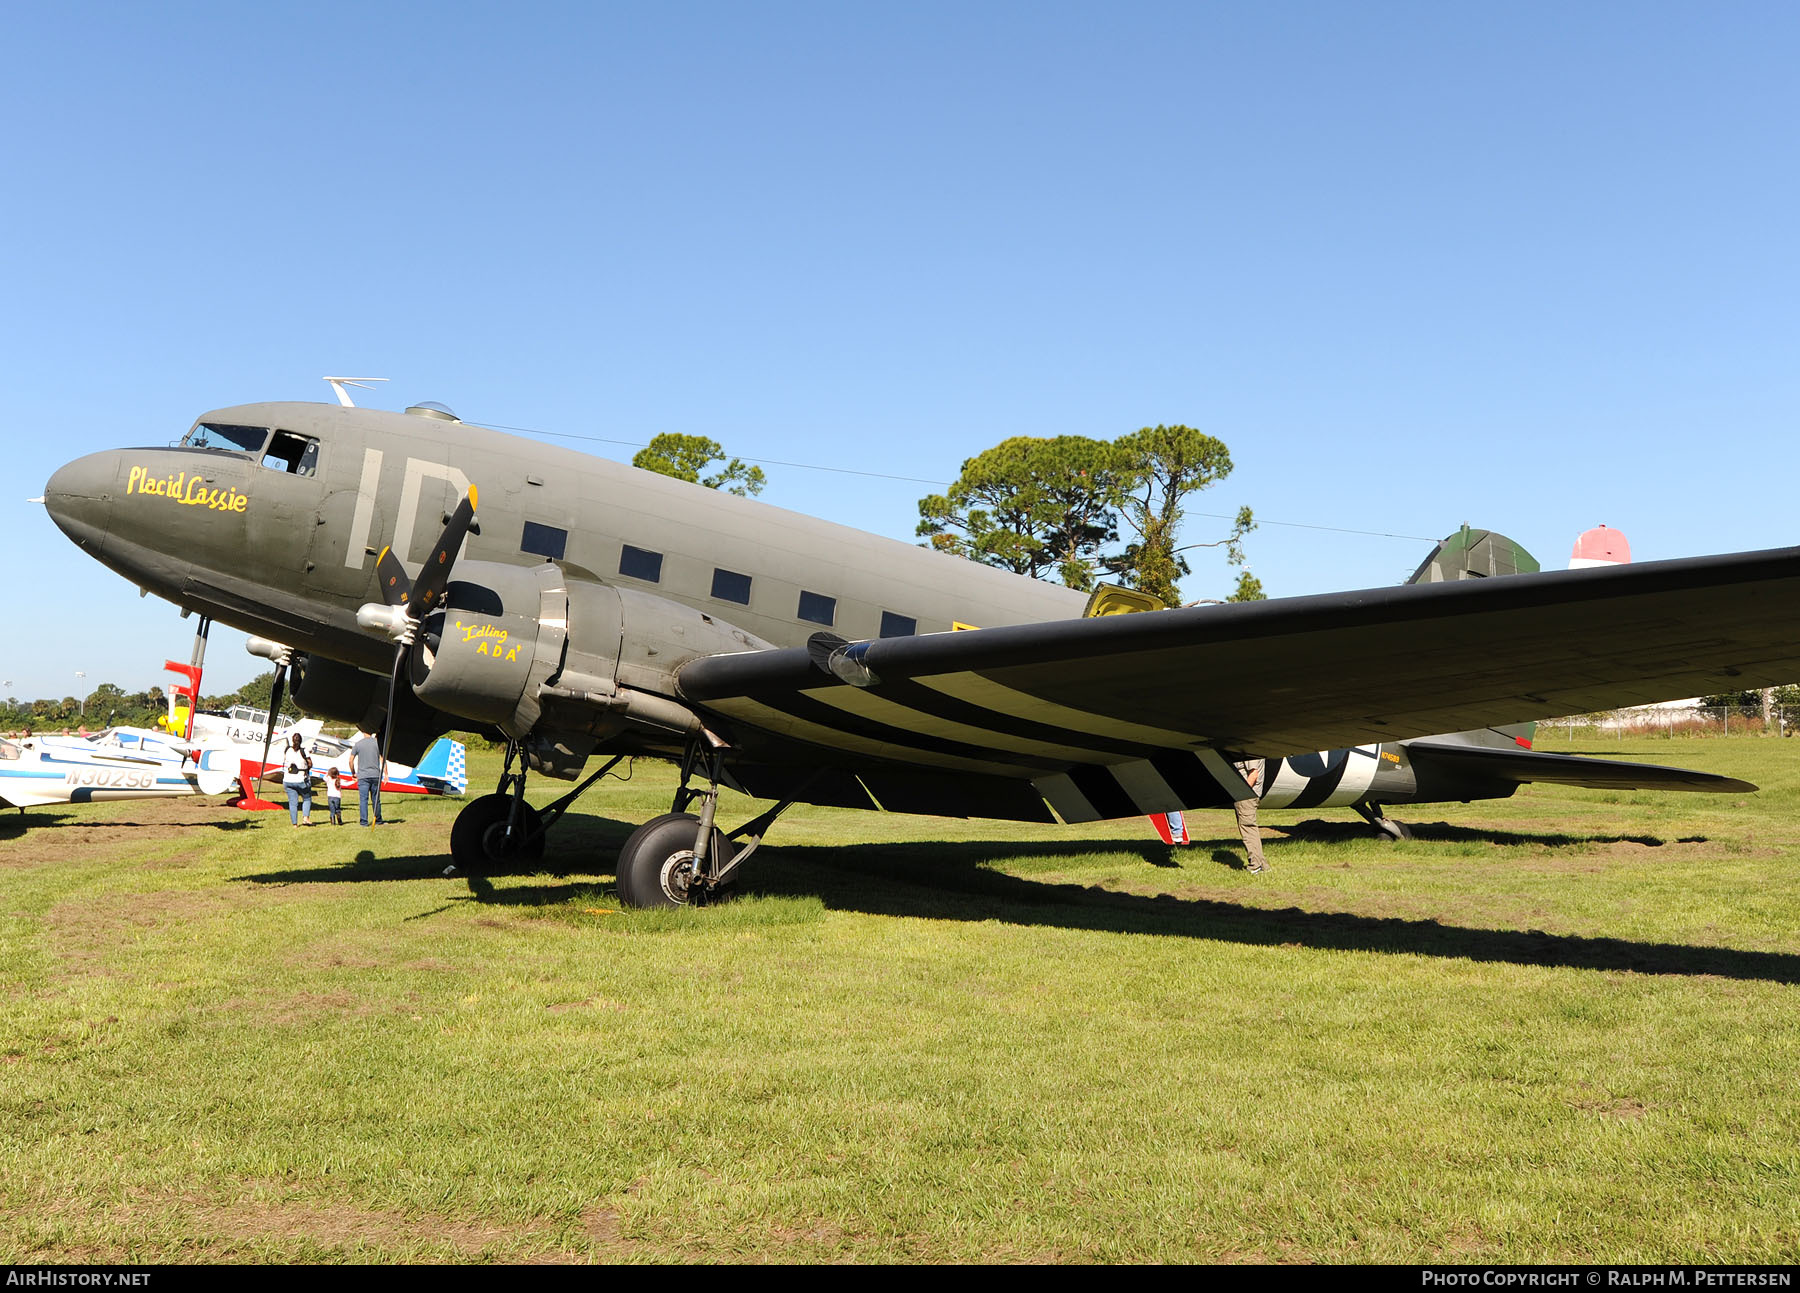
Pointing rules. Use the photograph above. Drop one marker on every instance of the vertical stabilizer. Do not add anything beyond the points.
(1480, 554)
(447, 762)
(1600, 546)
(1474, 554)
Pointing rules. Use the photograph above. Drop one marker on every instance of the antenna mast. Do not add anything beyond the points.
(338, 384)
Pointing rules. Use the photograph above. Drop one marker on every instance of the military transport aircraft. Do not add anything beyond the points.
(575, 607)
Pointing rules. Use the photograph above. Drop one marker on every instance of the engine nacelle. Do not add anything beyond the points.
(498, 636)
(507, 639)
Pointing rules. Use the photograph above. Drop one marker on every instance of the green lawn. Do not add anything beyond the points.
(1563, 1027)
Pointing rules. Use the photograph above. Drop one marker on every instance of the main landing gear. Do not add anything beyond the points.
(502, 829)
(679, 859)
(673, 860)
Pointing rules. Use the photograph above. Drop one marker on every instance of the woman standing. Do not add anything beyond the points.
(296, 779)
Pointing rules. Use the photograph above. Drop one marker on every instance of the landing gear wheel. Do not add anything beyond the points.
(478, 836)
(656, 866)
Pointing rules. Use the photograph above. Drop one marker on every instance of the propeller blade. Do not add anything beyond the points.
(419, 598)
(396, 587)
(274, 710)
(436, 576)
(387, 726)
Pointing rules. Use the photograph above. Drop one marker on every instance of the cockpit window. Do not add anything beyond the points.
(8, 750)
(219, 435)
(297, 455)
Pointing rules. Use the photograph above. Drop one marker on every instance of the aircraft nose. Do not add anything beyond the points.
(79, 498)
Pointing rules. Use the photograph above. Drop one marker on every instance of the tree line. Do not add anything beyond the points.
(1085, 510)
(109, 705)
(1072, 508)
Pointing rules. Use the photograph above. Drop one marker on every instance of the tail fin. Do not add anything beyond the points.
(445, 761)
(1600, 546)
(308, 728)
(1480, 554)
(1474, 554)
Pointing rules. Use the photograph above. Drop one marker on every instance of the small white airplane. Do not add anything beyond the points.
(119, 763)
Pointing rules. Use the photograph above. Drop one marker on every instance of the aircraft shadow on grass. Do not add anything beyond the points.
(959, 881)
(1317, 831)
(36, 821)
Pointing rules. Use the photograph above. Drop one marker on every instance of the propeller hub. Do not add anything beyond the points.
(375, 617)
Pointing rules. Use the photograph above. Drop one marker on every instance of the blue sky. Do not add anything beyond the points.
(1527, 266)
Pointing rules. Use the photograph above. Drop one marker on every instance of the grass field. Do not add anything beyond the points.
(1563, 1027)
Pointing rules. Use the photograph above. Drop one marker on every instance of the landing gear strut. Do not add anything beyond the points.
(1389, 828)
(502, 828)
(679, 859)
(499, 828)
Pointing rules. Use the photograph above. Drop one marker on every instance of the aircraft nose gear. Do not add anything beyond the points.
(679, 859)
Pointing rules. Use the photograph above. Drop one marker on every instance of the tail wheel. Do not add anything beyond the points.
(656, 868)
(478, 836)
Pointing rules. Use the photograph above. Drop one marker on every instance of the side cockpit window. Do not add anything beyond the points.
(297, 455)
(220, 435)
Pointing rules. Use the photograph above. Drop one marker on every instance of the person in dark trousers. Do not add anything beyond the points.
(366, 754)
(296, 779)
(1251, 771)
(334, 794)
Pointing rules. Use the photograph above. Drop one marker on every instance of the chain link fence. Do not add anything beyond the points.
(1690, 721)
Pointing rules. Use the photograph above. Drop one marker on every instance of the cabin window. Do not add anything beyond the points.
(898, 626)
(641, 564)
(729, 586)
(818, 609)
(8, 750)
(297, 455)
(544, 540)
(218, 435)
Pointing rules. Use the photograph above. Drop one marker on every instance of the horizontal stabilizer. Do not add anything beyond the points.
(1523, 766)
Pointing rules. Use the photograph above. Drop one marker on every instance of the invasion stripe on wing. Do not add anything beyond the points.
(1172, 781)
(783, 723)
(985, 691)
(895, 713)
(917, 696)
(808, 707)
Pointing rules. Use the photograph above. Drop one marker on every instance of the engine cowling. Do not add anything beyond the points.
(508, 638)
(497, 636)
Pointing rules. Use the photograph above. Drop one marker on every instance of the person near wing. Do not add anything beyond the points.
(1251, 771)
(296, 779)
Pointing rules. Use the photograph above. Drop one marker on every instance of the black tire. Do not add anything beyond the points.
(656, 860)
(476, 835)
(636, 837)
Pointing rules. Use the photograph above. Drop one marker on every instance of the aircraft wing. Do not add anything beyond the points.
(1127, 714)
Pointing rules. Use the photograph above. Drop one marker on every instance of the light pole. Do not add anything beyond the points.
(82, 702)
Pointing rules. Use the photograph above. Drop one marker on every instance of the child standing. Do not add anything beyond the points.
(334, 795)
